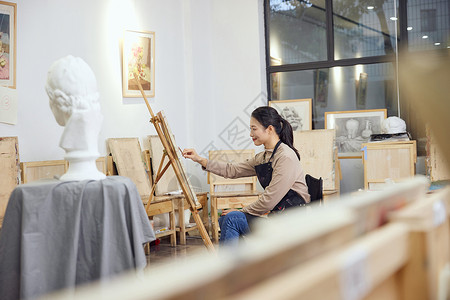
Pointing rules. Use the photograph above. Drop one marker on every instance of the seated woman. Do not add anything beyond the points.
(278, 170)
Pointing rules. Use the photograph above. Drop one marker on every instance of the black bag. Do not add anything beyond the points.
(315, 187)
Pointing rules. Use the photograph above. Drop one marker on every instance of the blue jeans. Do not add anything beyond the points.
(232, 226)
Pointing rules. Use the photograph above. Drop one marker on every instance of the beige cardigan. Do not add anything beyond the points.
(287, 174)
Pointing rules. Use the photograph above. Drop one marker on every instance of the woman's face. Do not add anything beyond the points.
(258, 133)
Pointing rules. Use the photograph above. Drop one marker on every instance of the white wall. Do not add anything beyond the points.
(209, 68)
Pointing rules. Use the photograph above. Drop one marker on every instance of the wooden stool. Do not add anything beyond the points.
(161, 206)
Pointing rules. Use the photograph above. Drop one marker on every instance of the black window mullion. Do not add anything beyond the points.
(330, 31)
(267, 42)
(334, 63)
(403, 18)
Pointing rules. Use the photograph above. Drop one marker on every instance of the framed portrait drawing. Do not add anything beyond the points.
(297, 112)
(138, 57)
(8, 30)
(354, 128)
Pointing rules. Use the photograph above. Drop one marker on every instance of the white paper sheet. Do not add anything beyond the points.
(8, 105)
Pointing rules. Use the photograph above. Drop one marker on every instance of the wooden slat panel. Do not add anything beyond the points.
(235, 202)
(379, 255)
(160, 208)
(37, 170)
(394, 160)
(437, 166)
(127, 155)
(9, 174)
(231, 156)
(101, 164)
(316, 148)
(428, 223)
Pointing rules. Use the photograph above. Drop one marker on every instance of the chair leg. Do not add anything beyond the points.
(214, 219)
(181, 221)
(173, 236)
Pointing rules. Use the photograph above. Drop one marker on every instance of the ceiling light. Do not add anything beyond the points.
(425, 36)
(409, 28)
(437, 44)
(370, 7)
(393, 18)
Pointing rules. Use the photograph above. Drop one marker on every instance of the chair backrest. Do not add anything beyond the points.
(317, 153)
(48, 169)
(221, 184)
(315, 187)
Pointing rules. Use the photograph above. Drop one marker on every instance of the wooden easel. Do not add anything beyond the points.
(165, 135)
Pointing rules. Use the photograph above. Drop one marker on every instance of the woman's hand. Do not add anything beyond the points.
(192, 154)
(225, 211)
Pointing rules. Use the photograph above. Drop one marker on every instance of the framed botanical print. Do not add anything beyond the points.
(138, 52)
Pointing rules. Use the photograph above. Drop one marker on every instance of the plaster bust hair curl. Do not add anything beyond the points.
(71, 85)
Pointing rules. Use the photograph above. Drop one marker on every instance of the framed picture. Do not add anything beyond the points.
(354, 128)
(8, 29)
(297, 112)
(321, 87)
(138, 52)
(361, 91)
(275, 79)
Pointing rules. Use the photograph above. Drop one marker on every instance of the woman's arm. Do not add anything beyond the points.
(227, 170)
(192, 154)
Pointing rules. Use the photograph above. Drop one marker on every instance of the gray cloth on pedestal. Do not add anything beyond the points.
(58, 235)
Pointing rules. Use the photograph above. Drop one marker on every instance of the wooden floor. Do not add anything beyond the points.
(164, 252)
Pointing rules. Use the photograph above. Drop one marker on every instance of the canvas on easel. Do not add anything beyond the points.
(166, 137)
(168, 183)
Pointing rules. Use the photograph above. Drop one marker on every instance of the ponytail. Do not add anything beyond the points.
(267, 116)
(287, 136)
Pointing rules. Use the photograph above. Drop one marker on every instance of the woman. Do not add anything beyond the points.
(278, 169)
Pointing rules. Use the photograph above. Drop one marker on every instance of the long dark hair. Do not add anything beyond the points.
(267, 116)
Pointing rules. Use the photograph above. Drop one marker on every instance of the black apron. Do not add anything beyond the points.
(264, 173)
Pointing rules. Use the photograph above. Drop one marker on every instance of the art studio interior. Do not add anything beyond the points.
(239, 149)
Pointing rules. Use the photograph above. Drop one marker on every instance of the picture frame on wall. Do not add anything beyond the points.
(298, 112)
(8, 42)
(275, 79)
(354, 128)
(138, 57)
(321, 87)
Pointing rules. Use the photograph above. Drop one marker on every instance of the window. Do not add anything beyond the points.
(340, 53)
(343, 54)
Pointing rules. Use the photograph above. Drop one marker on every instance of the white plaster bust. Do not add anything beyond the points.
(72, 90)
(393, 125)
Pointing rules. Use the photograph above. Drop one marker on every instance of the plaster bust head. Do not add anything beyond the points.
(72, 90)
(393, 125)
(71, 85)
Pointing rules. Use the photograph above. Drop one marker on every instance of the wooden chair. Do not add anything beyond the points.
(230, 193)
